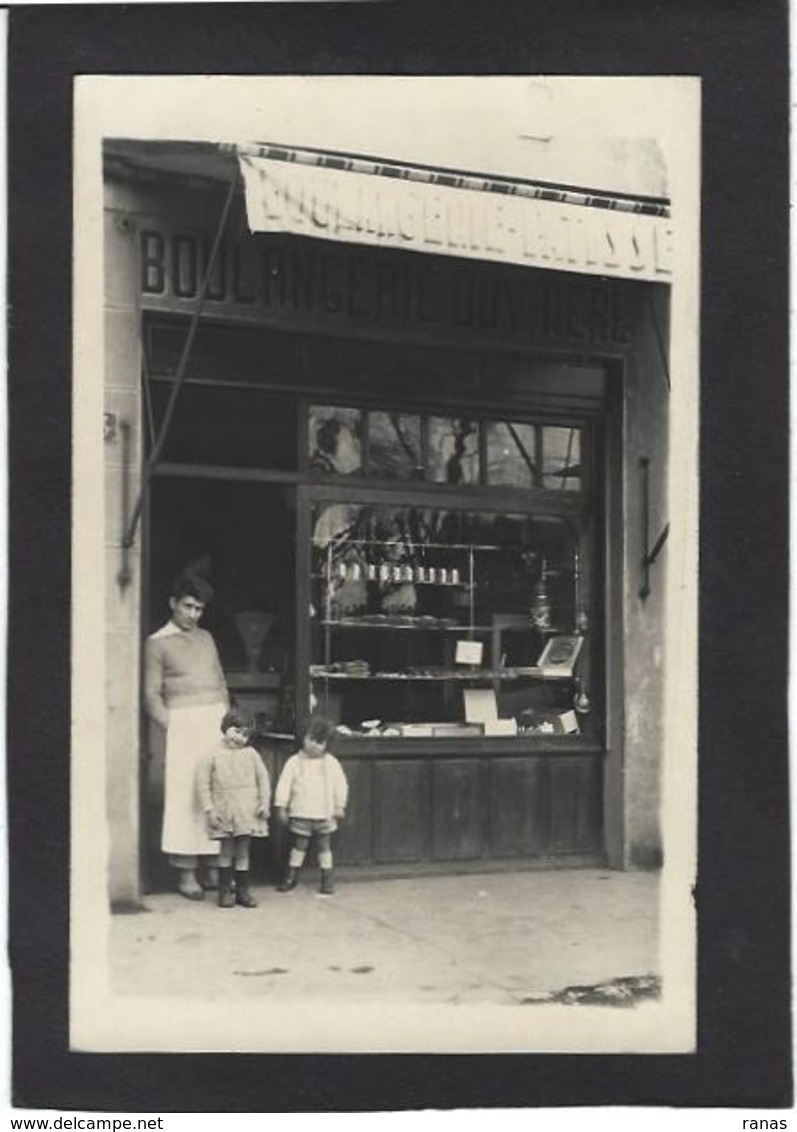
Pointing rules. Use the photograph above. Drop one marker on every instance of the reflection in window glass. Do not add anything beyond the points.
(511, 456)
(334, 440)
(394, 446)
(561, 462)
(453, 450)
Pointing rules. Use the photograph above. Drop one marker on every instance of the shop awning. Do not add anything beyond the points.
(388, 204)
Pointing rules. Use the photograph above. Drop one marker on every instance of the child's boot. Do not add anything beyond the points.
(242, 894)
(290, 881)
(226, 889)
(326, 887)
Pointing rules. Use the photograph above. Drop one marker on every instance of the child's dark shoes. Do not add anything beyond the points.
(290, 881)
(244, 897)
(226, 898)
(226, 890)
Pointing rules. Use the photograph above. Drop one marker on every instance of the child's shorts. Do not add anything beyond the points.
(306, 827)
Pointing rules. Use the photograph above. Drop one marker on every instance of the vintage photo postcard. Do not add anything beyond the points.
(384, 606)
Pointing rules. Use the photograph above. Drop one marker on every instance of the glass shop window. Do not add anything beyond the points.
(453, 450)
(335, 440)
(512, 456)
(561, 459)
(385, 445)
(394, 446)
(432, 623)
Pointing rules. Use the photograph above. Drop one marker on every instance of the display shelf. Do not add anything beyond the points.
(354, 623)
(402, 629)
(532, 672)
(252, 680)
(345, 543)
(417, 625)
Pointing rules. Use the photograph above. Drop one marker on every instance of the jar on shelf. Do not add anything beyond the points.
(540, 611)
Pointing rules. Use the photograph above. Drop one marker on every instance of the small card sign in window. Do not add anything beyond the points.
(559, 656)
(468, 652)
(481, 705)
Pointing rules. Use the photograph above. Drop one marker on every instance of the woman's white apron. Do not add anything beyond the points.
(192, 732)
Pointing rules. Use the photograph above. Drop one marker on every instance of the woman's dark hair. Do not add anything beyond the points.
(320, 730)
(238, 717)
(192, 585)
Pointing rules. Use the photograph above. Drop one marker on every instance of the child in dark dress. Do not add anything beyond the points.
(235, 792)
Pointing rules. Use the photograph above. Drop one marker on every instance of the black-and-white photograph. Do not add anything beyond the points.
(385, 563)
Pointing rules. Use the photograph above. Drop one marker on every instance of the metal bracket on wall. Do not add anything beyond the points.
(649, 554)
(125, 575)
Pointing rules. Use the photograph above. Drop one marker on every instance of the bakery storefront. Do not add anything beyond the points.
(412, 425)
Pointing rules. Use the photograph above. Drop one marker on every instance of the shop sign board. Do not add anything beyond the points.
(388, 212)
(330, 287)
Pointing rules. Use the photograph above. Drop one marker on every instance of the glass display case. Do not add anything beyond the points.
(432, 623)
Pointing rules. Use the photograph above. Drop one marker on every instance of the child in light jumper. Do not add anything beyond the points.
(310, 799)
(235, 793)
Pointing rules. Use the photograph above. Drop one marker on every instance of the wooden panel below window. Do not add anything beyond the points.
(400, 810)
(517, 806)
(353, 844)
(452, 809)
(576, 805)
(457, 810)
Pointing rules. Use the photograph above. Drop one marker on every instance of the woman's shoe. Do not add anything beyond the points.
(191, 893)
(188, 886)
(209, 880)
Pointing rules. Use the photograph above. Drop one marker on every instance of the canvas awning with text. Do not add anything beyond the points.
(387, 204)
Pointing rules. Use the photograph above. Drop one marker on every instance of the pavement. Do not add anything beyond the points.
(559, 935)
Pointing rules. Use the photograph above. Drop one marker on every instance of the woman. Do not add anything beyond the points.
(185, 693)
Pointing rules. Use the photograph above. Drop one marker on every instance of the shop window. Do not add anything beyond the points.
(394, 446)
(432, 623)
(380, 444)
(561, 459)
(453, 450)
(512, 456)
(335, 440)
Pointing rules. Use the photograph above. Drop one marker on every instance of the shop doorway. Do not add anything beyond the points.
(241, 536)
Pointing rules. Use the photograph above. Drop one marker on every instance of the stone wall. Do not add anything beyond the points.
(122, 599)
(645, 438)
